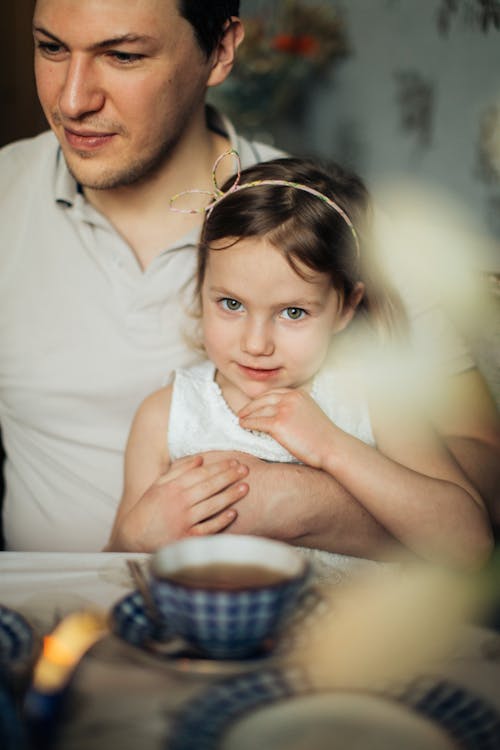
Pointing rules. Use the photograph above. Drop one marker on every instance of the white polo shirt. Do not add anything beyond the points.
(85, 335)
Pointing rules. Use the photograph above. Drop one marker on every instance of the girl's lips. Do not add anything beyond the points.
(259, 374)
(87, 141)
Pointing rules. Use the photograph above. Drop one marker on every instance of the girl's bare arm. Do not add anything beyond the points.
(410, 484)
(161, 501)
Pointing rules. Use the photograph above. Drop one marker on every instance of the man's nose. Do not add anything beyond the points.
(258, 339)
(81, 93)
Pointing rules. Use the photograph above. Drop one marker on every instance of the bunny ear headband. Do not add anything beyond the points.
(217, 195)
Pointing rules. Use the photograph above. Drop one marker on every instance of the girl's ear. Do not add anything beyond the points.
(349, 307)
(224, 55)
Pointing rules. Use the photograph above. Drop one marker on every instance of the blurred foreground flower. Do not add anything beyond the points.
(386, 628)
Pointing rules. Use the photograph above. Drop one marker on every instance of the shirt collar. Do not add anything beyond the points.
(66, 187)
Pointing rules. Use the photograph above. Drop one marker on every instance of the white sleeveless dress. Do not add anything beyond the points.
(201, 420)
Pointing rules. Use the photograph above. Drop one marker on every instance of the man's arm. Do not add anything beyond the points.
(307, 507)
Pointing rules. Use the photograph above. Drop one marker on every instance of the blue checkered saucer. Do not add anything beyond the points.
(130, 622)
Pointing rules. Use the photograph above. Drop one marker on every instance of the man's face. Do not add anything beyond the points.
(120, 82)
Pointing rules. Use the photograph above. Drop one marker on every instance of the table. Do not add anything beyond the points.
(123, 698)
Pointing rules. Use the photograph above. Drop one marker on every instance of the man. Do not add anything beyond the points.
(95, 273)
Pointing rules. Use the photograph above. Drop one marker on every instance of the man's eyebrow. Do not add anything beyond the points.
(105, 43)
(43, 31)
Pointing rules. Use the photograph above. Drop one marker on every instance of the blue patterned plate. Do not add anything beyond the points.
(18, 648)
(275, 709)
(17, 638)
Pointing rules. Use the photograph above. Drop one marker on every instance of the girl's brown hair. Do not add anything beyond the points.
(308, 231)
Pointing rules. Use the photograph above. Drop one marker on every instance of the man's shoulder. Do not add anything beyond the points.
(251, 152)
(24, 157)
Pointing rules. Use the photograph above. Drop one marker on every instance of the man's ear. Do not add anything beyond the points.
(349, 307)
(224, 55)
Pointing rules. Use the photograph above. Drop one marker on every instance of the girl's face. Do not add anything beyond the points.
(264, 326)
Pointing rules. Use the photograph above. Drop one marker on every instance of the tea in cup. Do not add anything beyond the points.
(226, 594)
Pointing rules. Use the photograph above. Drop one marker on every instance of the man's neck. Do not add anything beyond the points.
(140, 212)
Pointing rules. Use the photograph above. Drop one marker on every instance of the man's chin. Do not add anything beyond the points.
(91, 175)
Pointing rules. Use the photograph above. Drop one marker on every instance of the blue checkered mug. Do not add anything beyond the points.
(227, 594)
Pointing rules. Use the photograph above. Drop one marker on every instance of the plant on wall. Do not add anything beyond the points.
(415, 97)
(488, 147)
(484, 14)
(287, 47)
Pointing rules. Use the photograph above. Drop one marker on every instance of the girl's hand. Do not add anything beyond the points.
(192, 498)
(294, 419)
(204, 494)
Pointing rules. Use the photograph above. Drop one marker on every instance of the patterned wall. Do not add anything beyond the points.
(417, 94)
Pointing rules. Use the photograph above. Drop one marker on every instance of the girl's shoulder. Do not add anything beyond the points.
(154, 411)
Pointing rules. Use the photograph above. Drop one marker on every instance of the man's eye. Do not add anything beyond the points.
(230, 304)
(125, 57)
(49, 48)
(293, 313)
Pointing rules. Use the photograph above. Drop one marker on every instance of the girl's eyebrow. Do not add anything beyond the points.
(213, 289)
(111, 42)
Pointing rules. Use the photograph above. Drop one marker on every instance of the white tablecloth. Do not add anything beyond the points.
(123, 698)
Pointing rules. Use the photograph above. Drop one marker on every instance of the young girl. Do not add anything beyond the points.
(282, 270)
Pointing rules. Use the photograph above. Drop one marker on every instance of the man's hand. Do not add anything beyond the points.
(192, 498)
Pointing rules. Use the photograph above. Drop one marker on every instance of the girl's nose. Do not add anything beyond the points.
(258, 339)
(81, 93)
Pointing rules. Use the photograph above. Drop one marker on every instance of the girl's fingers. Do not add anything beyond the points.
(215, 524)
(218, 504)
(267, 410)
(261, 423)
(256, 409)
(180, 467)
(214, 482)
(190, 473)
(272, 398)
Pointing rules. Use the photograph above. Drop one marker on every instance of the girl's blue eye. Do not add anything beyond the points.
(231, 304)
(294, 313)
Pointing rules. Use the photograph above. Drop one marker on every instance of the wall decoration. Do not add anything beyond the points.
(488, 146)
(482, 14)
(415, 96)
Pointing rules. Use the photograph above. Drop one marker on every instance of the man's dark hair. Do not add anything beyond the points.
(208, 19)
